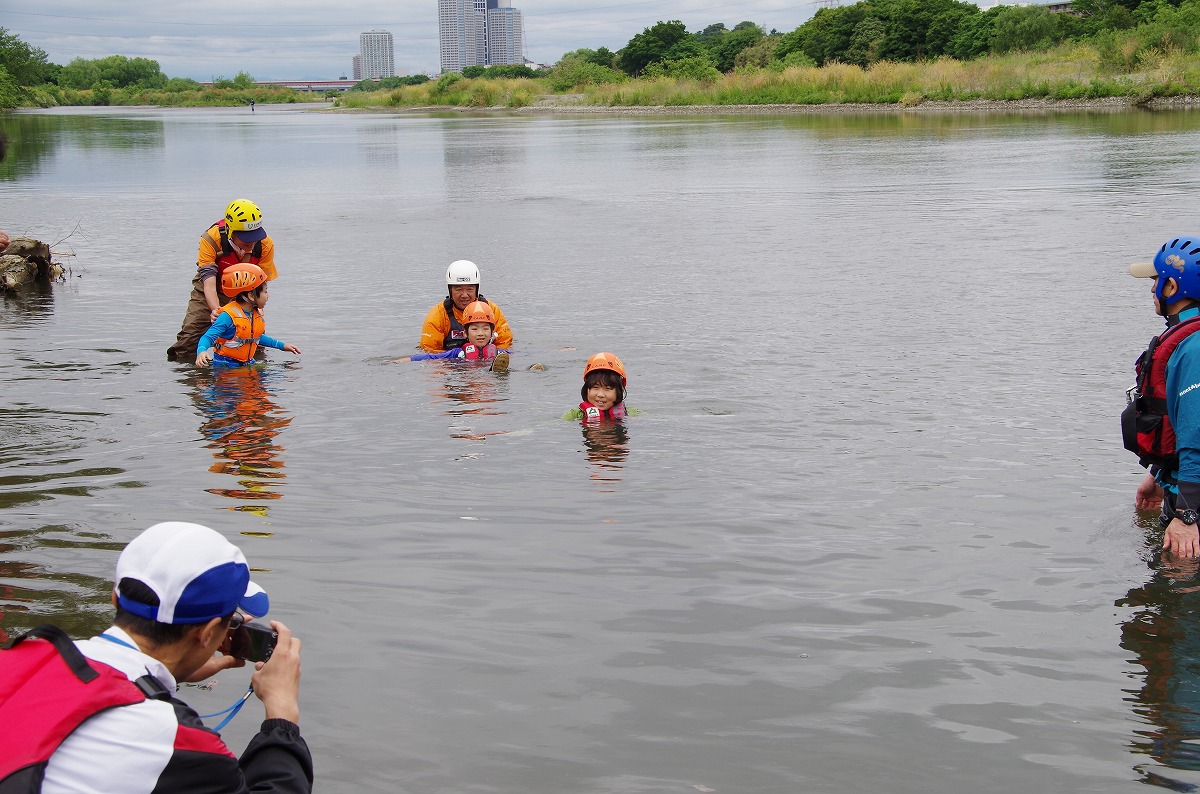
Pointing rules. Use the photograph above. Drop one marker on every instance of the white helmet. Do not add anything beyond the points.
(462, 272)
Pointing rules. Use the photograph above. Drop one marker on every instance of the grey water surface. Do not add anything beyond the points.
(872, 533)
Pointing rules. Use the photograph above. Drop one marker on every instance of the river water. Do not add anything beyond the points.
(872, 532)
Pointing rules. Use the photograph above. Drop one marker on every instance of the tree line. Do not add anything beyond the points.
(892, 30)
(1124, 33)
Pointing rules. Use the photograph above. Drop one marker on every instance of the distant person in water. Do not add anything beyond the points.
(239, 329)
(603, 390)
(443, 328)
(479, 322)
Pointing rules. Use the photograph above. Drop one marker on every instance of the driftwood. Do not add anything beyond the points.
(26, 260)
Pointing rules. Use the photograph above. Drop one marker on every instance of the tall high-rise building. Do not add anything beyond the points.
(375, 54)
(479, 33)
(357, 67)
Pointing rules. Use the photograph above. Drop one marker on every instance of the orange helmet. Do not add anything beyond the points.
(478, 312)
(241, 278)
(606, 361)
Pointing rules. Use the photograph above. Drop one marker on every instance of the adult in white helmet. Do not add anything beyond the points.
(443, 328)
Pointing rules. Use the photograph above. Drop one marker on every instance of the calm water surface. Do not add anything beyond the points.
(873, 532)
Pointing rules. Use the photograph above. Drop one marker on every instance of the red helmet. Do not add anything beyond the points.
(478, 312)
(606, 361)
(242, 278)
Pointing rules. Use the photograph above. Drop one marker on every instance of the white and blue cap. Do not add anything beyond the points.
(196, 574)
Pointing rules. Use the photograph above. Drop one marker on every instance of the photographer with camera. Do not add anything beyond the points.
(100, 714)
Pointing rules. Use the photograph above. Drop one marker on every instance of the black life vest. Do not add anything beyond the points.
(1145, 426)
(457, 335)
(47, 690)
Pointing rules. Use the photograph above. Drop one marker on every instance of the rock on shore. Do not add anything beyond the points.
(26, 260)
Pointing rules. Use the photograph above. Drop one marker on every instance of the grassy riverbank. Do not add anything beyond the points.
(1068, 73)
(55, 96)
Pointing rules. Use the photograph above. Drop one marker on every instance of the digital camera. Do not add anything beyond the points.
(253, 642)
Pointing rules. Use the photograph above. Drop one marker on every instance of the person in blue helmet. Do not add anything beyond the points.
(1161, 422)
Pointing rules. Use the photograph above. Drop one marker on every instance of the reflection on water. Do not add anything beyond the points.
(35, 137)
(35, 593)
(241, 422)
(606, 446)
(1163, 632)
(30, 305)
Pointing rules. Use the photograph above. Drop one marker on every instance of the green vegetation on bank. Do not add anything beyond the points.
(28, 78)
(874, 51)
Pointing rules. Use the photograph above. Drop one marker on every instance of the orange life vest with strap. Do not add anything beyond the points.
(226, 256)
(247, 330)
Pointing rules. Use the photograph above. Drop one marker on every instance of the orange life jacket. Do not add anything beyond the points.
(247, 330)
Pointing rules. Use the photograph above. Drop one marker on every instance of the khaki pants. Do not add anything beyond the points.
(195, 322)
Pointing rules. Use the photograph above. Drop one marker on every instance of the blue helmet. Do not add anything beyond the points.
(1179, 259)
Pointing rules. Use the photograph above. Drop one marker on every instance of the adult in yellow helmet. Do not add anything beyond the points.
(235, 239)
(443, 328)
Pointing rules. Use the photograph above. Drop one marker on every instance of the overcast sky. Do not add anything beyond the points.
(306, 40)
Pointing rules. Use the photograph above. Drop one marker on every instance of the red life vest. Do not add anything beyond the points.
(1145, 426)
(247, 330)
(485, 353)
(457, 335)
(593, 414)
(47, 690)
(226, 256)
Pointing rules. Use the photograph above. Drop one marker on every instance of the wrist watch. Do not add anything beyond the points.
(1188, 517)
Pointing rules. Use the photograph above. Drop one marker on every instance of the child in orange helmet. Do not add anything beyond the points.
(603, 390)
(480, 324)
(239, 329)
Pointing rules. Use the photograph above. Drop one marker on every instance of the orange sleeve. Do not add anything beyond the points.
(503, 332)
(206, 255)
(434, 331)
(267, 261)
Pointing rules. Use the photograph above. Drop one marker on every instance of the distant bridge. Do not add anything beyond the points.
(307, 85)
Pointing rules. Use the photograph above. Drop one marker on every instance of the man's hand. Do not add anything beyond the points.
(1149, 494)
(213, 666)
(213, 314)
(1182, 540)
(277, 681)
(205, 358)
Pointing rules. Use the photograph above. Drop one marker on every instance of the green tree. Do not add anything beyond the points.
(758, 55)
(577, 70)
(656, 43)
(25, 65)
(1023, 28)
(866, 42)
(725, 50)
(473, 71)
(10, 93)
(80, 73)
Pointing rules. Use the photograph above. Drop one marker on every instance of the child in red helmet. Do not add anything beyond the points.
(603, 390)
(239, 329)
(480, 324)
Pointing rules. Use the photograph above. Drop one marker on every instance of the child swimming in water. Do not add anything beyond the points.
(603, 390)
(480, 324)
(239, 329)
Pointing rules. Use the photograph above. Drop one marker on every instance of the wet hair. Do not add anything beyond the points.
(602, 377)
(152, 631)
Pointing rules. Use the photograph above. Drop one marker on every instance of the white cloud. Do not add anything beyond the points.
(305, 40)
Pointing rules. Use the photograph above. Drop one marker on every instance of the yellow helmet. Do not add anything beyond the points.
(243, 217)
